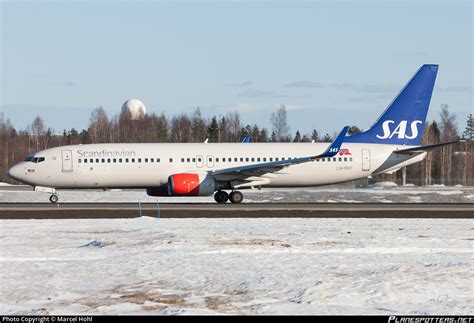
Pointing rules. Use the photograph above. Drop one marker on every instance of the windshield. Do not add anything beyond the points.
(34, 159)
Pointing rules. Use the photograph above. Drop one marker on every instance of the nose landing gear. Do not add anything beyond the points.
(53, 199)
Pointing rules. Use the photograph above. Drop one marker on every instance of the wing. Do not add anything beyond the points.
(243, 172)
(421, 149)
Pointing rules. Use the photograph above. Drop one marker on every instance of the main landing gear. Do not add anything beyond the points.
(221, 197)
(53, 199)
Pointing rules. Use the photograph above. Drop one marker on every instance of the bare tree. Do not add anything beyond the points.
(99, 127)
(280, 126)
(448, 133)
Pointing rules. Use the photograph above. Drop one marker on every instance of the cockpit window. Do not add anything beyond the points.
(34, 159)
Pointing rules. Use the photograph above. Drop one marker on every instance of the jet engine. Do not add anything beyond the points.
(186, 184)
(158, 191)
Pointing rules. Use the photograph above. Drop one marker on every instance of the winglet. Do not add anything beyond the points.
(246, 139)
(333, 149)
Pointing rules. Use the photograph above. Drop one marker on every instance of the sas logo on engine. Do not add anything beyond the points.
(344, 152)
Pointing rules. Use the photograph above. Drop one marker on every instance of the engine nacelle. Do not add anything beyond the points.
(191, 185)
(158, 191)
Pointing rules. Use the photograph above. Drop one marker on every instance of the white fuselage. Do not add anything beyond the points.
(150, 165)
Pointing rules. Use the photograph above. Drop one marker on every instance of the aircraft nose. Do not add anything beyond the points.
(15, 172)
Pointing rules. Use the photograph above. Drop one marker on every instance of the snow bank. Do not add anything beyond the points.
(236, 266)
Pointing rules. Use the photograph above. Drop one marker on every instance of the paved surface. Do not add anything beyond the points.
(214, 210)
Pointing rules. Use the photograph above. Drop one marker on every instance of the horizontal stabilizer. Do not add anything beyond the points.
(422, 149)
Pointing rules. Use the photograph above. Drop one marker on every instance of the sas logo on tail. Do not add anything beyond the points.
(399, 130)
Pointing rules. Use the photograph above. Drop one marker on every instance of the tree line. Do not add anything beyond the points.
(449, 165)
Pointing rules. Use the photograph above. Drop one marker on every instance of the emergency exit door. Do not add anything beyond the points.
(67, 160)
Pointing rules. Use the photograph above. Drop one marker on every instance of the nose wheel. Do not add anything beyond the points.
(53, 199)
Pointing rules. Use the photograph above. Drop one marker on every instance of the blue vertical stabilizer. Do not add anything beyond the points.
(403, 121)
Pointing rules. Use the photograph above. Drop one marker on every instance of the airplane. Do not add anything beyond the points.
(204, 169)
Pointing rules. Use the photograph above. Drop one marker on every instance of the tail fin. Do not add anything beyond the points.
(403, 121)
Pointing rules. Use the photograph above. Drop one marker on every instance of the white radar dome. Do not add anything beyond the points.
(135, 107)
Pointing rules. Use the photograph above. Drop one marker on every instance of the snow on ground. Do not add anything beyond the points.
(237, 266)
(329, 194)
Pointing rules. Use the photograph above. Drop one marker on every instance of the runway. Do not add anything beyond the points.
(246, 210)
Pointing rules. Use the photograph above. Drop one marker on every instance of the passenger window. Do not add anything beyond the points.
(182, 160)
(126, 160)
(217, 159)
(194, 160)
(108, 160)
(79, 160)
(85, 160)
(334, 159)
(103, 160)
(188, 160)
(139, 160)
(241, 159)
(91, 160)
(276, 159)
(157, 160)
(345, 159)
(120, 160)
(171, 160)
(146, 160)
(264, 159)
(115, 160)
(223, 159)
(199, 160)
(340, 159)
(210, 159)
(258, 159)
(350, 158)
(235, 159)
(271, 159)
(133, 160)
(152, 160)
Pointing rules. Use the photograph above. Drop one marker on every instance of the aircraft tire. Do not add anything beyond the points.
(53, 199)
(236, 197)
(221, 197)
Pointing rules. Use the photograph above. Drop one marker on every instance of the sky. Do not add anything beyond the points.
(331, 63)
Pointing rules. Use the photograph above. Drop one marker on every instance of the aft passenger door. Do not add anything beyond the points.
(67, 160)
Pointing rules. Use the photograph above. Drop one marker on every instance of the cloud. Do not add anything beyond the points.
(304, 85)
(362, 88)
(256, 93)
(457, 89)
(292, 106)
